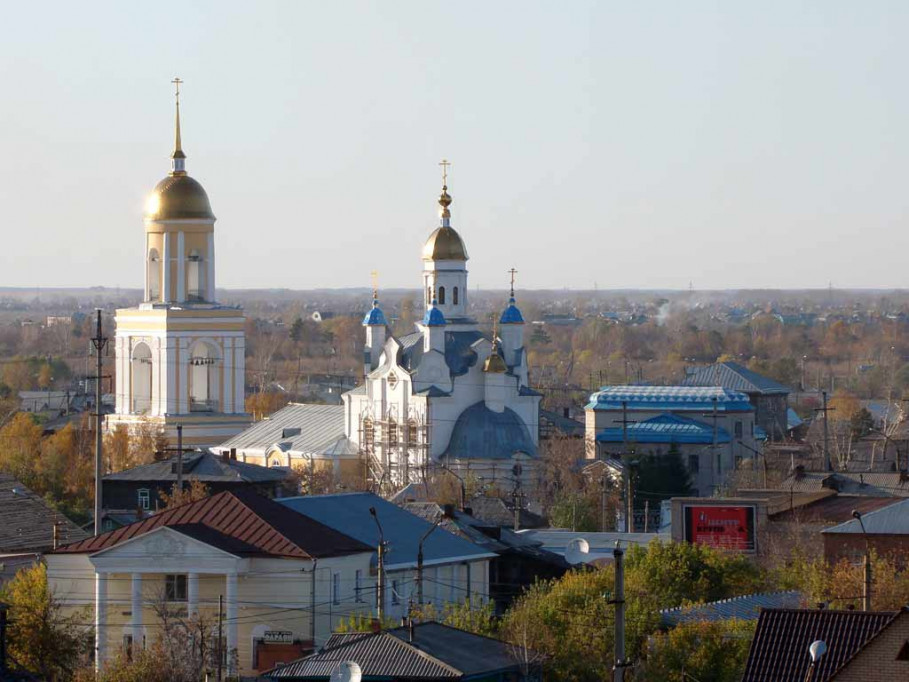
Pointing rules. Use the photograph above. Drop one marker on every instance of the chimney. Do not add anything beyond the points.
(410, 630)
(376, 626)
(225, 455)
(566, 412)
(448, 511)
(233, 454)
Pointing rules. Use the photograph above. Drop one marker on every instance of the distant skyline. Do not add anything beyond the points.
(631, 145)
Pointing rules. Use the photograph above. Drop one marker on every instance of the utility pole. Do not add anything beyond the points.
(312, 605)
(825, 410)
(619, 601)
(419, 575)
(99, 341)
(180, 459)
(380, 576)
(866, 564)
(629, 498)
(220, 637)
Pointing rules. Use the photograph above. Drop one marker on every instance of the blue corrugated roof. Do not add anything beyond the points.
(746, 607)
(375, 316)
(349, 514)
(481, 433)
(793, 421)
(669, 398)
(433, 316)
(511, 315)
(666, 428)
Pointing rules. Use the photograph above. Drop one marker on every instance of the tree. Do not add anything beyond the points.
(703, 651)
(20, 443)
(41, 638)
(861, 423)
(262, 404)
(196, 491)
(662, 476)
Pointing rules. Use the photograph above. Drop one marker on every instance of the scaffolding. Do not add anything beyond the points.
(394, 452)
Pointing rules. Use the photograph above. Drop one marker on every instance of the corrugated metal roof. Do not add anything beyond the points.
(665, 428)
(201, 466)
(481, 433)
(669, 398)
(735, 377)
(833, 509)
(746, 607)
(297, 428)
(870, 484)
(779, 650)
(890, 520)
(243, 517)
(27, 523)
(348, 513)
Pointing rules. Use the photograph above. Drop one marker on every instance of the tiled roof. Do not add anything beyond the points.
(746, 607)
(481, 433)
(665, 428)
(201, 466)
(298, 428)
(27, 523)
(779, 650)
(262, 526)
(348, 513)
(669, 398)
(735, 377)
(890, 520)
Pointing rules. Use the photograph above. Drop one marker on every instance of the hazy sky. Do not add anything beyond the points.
(631, 144)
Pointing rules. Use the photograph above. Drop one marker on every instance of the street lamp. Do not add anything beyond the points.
(380, 577)
(817, 650)
(866, 564)
(420, 560)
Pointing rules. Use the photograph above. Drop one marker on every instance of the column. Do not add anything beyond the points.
(231, 617)
(192, 593)
(136, 621)
(100, 619)
(181, 267)
(165, 270)
(210, 263)
(145, 296)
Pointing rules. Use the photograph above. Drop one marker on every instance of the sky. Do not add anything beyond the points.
(612, 144)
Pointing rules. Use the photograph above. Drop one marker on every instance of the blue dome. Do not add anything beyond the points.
(433, 316)
(375, 316)
(511, 314)
(481, 433)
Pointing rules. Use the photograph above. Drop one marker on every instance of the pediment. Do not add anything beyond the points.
(162, 543)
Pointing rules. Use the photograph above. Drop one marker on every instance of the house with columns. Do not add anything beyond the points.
(285, 581)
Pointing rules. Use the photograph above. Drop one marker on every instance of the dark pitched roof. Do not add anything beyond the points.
(263, 527)
(27, 522)
(736, 377)
(746, 607)
(833, 509)
(201, 466)
(779, 650)
(892, 519)
(460, 355)
(437, 652)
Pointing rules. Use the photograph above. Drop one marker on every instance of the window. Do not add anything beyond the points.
(143, 498)
(392, 433)
(358, 586)
(175, 587)
(392, 380)
(195, 277)
(335, 588)
(128, 647)
(454, 296)
(719, 463)
(395, 597)
(441, 295)
(738, 430)
(694, 463)
(428, 295)
(412, 434)
(154, 275)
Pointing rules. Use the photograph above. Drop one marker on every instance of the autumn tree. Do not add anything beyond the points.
(20, 444)
(193, 492)
(700, 650)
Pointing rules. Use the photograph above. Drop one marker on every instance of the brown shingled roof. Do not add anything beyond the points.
(254, 525)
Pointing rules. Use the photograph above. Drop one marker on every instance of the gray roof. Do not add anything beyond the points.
(436, 652)
(27, 522)
(481, 433)
(871, 484)
(201, 466)
(735, 377)
(349, 514)
(300, 428)
(746, 607)
(460, 354)
(890, 520)
(567, 425)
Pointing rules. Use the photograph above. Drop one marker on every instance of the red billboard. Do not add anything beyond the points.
(721, 527)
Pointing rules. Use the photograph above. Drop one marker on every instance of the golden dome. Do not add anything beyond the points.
(178, 197)
(494, 363)
(444, 244)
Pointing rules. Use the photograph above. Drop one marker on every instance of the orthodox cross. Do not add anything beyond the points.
(375, 283)
(444, 163)
(177, 83)
(512, 272)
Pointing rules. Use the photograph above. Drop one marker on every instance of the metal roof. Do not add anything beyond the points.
(669, 398)
(665, 428)
(746, 607)
(241, 519)
(296, 428)
(890, 520)
(27, 522)
(375, 316)
(481, 433)
(871, 484)
(736, 377)
(511, 314)
(348, 513)
(201, 466)
(779, 650)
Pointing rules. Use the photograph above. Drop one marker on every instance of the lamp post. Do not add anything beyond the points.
(419, 576)
(866, 564)
(380, 577)
(817, 650)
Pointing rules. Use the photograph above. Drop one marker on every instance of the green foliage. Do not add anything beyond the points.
(363, 621)
(576, 510)
(479, 620)
(661, 476)
(703, 651)
(861, 423)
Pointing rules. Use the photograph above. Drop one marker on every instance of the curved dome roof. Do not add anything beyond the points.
(480, 433)
(444, 244)
(178, 197)
(511, 314)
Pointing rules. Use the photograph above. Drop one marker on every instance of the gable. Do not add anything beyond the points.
(165, 550)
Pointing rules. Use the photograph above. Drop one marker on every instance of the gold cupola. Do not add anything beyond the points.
(494, 363)
(178, 196)
(445, 243)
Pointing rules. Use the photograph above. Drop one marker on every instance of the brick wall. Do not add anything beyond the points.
(852, 546)
(877, 661)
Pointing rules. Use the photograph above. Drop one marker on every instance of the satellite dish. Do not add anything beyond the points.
(817, 650)
(347, 671)
(578, 551)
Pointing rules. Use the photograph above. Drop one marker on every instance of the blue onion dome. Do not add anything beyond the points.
(511, 314)
(375, 317)
(433, 316)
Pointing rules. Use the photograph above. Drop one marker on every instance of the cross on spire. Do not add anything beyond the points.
(375, 284)
(512, 272)
(178, 157)
(177, 83)
(444, 163)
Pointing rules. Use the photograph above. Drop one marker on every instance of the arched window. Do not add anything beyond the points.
(141, 369)
(454, 296)
(203, 379)
(154, 275)
(428, 295)
(195, 276)
(441, 295)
